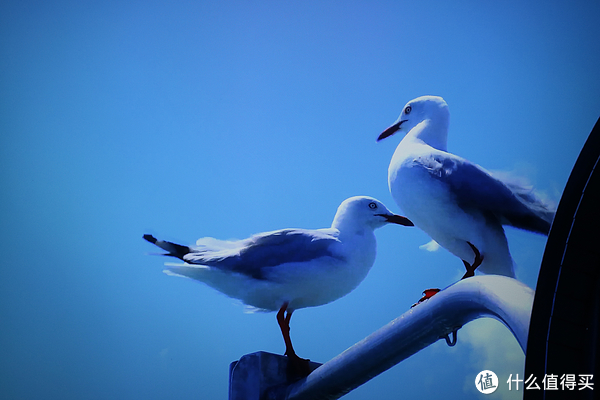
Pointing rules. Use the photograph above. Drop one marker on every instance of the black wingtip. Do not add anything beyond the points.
(150, 238)
(174, 249)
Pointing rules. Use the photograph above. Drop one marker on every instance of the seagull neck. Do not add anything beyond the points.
(347, 226)
(432, 132)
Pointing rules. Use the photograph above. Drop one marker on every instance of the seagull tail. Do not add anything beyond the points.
(173, 249)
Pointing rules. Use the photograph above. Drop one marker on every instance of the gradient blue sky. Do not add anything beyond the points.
(190, 119)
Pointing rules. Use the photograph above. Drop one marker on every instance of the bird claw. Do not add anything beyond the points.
(470, 270)
(298, 367)
(427, 294)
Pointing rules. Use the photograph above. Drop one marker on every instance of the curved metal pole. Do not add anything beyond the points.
(499, 297)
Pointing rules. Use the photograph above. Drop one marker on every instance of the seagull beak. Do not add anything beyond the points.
(397, 219)
(391, 130)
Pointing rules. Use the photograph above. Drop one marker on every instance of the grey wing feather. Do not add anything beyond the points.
(508, 202)
(251, 256)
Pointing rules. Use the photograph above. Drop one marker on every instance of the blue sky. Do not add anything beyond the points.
(224, 119)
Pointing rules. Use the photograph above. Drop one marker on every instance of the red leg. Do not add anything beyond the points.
(284, 324)
(297, 366)
(476, 263)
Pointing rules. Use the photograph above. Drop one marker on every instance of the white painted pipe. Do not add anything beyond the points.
(505, 299)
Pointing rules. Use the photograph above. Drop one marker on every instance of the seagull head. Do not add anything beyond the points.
(432, 108)
(366, 211)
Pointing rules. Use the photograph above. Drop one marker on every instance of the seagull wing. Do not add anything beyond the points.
(251, 256)
(475, 188)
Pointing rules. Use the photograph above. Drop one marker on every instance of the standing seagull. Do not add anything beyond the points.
(458, 203)
(288, 269)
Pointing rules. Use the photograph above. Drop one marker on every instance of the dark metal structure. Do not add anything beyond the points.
(564, 333)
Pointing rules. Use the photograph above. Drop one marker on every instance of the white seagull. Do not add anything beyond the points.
(457, 203)
(288, 269)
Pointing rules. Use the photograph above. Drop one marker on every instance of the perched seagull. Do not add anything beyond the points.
(288, 269)
(457, 203)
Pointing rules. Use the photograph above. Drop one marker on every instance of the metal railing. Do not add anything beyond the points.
(262, 376)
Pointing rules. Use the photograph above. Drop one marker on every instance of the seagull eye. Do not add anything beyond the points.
(407, 110)
(372, 206)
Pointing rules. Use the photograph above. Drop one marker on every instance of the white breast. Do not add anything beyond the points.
(431, 206)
